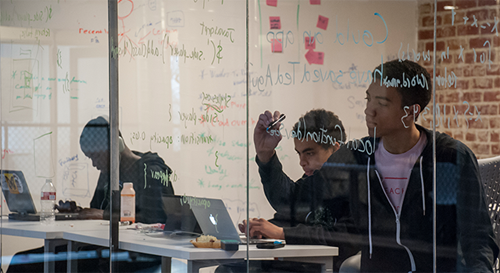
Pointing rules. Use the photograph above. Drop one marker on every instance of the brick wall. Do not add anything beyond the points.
(468, 66)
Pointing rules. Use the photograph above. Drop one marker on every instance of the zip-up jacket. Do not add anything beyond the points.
(403, 242)
(308, 205)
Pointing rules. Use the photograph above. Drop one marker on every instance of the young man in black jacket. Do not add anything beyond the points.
(391, 194)
(316, 137)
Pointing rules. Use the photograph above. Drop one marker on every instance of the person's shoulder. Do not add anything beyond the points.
(152, 160)
(451, 149)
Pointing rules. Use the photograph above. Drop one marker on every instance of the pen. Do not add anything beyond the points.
(281, 118)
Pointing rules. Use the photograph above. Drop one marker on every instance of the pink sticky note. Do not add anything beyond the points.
(273, 3)
(319, 57)
(315, 2)
(310, 56)
(276, 45)
(314, 57)
(322, 22)
(310, 42)
(275, 22)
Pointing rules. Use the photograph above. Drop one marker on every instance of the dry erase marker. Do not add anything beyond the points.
(282, 117)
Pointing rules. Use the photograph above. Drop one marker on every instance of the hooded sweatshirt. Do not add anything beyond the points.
(465, 241)
(151, 181)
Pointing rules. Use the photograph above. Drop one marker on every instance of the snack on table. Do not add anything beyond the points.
(206, 241)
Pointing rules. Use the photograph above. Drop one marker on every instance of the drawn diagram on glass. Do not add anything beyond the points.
(42, 152)
(237, 209)
(75, 180)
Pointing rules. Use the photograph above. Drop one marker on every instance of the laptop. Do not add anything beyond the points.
(213, 219)
(19, 199)
(180, 217)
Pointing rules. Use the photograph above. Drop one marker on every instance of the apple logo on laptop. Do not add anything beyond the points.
(214, 221)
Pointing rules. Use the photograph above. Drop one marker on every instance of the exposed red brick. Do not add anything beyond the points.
(492, 13)
(440, 46)
(478, 42)
(494, 70)
(474, 71)
(454, 44)
(465, 4)
(494, 123)
(473, 96)
(466, 30)
(460, 108)
(486, 2)
(481, 15)
(448, 18)
(470, 136)
(483, 136)
(468, 57)
(463, 84)
(496, 41)
(444, 32)
(476, 124)
(458, 71)
(425, 8)
(494, 136)
(421, 46)
(428, 21)
(458, 135)
(487, 109)
(483, 149)
(495, 149)
(486, 27)
(491, 96)
(482, 83)
(497, 82)
(451, 97)
(425, 34)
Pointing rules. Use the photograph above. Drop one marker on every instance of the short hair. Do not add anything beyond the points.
(416, 92)
(95, 136)
(321, 121)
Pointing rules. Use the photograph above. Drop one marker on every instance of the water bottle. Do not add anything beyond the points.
(47, 202)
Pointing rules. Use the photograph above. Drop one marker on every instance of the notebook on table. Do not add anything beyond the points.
(19, 199)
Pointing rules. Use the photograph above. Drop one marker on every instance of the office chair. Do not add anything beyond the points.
(489, 169)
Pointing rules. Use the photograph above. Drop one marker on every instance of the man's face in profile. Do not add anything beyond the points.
(383, 110)
(312, 156)
(100, 160)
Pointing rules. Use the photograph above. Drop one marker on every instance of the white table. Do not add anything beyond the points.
(197, 258)
(51, 234)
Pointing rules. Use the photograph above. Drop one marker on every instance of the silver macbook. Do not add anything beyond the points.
(214, 219)
(19, 200)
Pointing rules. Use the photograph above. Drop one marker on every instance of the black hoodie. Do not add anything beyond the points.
(465, 241)
(151, 183)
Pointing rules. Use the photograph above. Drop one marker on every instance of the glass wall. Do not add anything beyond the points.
(340, 129)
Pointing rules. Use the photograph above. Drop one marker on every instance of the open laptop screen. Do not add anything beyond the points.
(214, 219)
(16, 192)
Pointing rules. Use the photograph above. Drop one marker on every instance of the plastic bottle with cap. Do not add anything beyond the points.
(127, 205)
(47, 202)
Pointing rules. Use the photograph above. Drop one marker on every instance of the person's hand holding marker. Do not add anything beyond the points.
(265, 142)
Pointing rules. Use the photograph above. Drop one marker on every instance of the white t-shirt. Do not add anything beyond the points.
(395, 170)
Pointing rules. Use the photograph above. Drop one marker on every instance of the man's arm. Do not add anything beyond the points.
(278, 187)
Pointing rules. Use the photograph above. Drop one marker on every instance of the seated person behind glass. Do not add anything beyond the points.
(135, 167)
(291, 200)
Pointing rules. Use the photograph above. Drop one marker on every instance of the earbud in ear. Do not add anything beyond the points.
(121, 144)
